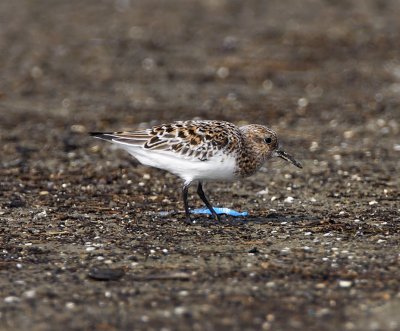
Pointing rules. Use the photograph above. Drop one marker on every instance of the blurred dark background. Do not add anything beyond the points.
(111, 63)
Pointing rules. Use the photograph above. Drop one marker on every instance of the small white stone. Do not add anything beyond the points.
(11, 299)
(90, 248)
(78, 128)
(263, 192)
(70, 305)
(223, 72)
(289, 200)
(302, 102)
(314, 146)
(267, 85)
(373, 202)
(180, 310)
(348, 134)
(30, 294)
(345, 283)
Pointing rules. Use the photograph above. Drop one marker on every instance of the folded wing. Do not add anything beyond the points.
(190, 140)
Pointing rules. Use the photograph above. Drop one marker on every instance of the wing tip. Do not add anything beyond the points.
(102, 135)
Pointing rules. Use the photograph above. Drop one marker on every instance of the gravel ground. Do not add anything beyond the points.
(85, 243)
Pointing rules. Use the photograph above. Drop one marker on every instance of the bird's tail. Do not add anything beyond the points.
(103, 135)
(137, 138)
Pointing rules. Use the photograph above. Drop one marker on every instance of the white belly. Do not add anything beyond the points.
(219, 167)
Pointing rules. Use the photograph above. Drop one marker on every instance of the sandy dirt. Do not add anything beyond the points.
(83, 245)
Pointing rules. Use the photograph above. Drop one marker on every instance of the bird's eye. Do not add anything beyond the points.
(268, 140)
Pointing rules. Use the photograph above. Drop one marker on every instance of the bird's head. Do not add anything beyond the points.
(265, 143)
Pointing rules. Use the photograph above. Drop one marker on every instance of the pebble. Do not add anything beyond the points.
(302, 102)
(30, 294)
(263, 192)
(180, 310)
(223, 72)
(345, 283)
(70, 305)
(289, 200)
(78, 128)
(11, 299)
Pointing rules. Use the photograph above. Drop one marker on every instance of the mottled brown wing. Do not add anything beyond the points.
(199, 140)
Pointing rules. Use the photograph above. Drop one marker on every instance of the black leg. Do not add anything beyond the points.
(203, 197)
(185, 202)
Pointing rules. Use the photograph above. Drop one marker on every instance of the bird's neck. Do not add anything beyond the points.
(249, 159)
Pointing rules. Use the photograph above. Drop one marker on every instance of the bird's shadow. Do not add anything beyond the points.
(240, 220)
(280, 218)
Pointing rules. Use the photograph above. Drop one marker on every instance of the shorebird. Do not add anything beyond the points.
(200, 151)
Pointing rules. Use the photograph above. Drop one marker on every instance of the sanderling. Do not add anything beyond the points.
(199, 151)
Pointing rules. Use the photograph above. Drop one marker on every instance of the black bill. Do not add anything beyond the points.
(289, 158)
